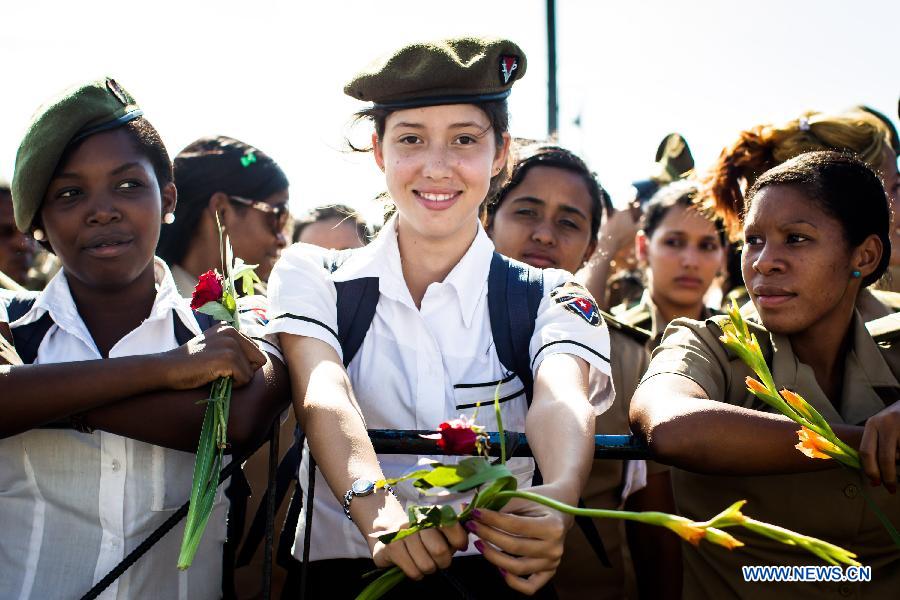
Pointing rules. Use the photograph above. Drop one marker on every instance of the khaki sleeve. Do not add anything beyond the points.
(692, 349)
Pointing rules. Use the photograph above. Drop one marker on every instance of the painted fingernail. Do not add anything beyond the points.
(502, 571)
(471, 526)
(476, 513)
(479, 545)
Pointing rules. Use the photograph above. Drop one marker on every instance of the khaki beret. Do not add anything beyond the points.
(73, 115)
(453, 71)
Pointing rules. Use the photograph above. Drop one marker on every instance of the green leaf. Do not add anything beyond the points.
(248, 280)
(486, 496)
(442, 476)
(411, 475)
(229, 302)
(422, 517)
(490, 473)
(216, 311)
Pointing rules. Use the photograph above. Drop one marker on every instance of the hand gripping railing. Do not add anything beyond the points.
(385, 441)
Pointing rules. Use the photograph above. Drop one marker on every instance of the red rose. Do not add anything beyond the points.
(457, 437)
(209, 289)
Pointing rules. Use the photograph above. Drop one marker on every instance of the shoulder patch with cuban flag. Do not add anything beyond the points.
(576, 299)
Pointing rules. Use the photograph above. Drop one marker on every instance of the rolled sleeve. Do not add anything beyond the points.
(302, 297)
(562, 327)
(691, 349)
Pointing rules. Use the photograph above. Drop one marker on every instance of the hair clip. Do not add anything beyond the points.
(248, 159)
(804, 124)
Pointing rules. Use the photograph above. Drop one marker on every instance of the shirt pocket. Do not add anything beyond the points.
(510, 392)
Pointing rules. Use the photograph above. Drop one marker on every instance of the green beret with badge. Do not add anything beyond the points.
(73, 115)
(465, 70)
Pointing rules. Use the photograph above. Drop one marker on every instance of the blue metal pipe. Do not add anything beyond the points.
(405, 441)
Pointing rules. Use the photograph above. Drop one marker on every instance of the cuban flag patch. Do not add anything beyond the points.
(576, 299)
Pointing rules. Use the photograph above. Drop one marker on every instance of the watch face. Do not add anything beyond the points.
(362, 487)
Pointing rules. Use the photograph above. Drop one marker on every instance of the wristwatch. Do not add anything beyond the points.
(361, 487)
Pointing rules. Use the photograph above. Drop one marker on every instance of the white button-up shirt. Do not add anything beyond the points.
(420, 366)
(73, 505)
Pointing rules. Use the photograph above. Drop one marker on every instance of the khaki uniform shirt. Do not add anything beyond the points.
(824, 504)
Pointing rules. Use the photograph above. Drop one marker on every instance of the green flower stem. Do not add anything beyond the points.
(651, 518)
(381, 586)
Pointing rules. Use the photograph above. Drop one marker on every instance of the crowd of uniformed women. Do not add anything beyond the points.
(390, 325)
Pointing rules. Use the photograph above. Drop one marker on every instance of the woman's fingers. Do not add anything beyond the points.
(887, 459)
(456, 535)
(513, 544)
(522, 566)
(437, 547)
(398, 554)
(868, 449)
(528, 585)
(424, 563)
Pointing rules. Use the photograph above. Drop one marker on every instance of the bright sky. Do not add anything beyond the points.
(271, 73)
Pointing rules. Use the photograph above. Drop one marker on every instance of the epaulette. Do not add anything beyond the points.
(885, 330)
(889, 299)
(641, 336)
(638, 316)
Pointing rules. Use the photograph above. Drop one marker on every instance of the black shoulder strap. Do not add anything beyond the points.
(515, 291)
(356, 303)
(27, 338)
(641, 336)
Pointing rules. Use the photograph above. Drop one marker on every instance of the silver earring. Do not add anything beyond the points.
(38, 234)
(169, 218)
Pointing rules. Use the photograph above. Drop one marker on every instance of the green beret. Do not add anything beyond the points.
(454, 71)
(73, 115)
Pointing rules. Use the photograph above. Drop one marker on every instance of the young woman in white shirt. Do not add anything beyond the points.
(441, 139)
(94, 181)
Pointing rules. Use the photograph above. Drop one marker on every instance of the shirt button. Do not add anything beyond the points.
(851, 491)
(845, 590)
(116, 465)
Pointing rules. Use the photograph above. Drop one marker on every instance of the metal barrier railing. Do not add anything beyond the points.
(388, 441)
(405, 441)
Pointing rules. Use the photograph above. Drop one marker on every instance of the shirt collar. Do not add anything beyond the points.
(381, 259)
(865, 373)
(469, 276)
(56, 299)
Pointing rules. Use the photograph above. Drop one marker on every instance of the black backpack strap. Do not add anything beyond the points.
(356, 302)
(27, 338)
(515, 291)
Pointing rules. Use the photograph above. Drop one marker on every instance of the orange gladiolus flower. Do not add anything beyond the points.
(796, 402)
(687, 530)
(755, 386)
(814, 445)
(722, 538)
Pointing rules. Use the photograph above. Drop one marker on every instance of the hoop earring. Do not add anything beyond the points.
(169, 218)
